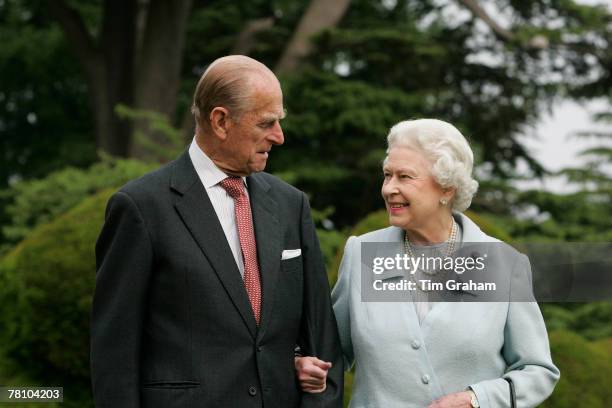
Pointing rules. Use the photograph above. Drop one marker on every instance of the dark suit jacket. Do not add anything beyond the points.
(172, 325)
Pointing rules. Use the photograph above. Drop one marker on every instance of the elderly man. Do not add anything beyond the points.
(209, 272)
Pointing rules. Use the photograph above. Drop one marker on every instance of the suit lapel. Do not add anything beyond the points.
(267, 236)
(200, 218)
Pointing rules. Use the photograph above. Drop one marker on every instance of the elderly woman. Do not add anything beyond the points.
(422, 353)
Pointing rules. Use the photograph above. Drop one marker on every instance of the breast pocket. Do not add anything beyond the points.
(289, 292)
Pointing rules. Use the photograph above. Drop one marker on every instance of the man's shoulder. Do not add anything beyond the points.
(277, 184)
(151, 183)
(152, 179)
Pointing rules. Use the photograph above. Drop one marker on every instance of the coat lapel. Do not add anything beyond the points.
(200, 218)
(268, 238)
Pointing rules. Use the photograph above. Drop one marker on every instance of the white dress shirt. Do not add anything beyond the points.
(223, 203)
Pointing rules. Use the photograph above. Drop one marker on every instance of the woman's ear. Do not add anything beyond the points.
(448, 193)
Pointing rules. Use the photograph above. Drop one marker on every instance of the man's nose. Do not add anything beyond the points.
(276, 136)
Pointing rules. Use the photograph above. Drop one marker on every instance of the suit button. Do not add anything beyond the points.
(415, 344)
(252, 391)
(425, 379)
(259, 348)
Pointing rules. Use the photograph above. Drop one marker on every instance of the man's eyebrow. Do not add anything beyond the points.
(273, 117)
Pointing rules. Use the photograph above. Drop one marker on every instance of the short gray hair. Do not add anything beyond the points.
(229, 82)
(449, 153)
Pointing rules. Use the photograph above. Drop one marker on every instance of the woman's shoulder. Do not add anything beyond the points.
(389, 234)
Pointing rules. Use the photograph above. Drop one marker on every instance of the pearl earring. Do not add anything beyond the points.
(443, 201)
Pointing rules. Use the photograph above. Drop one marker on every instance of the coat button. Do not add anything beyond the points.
(425, 379)
(415, 344)
(252, 391)
(259, 348)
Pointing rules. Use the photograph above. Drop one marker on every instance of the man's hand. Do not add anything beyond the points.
(312, 373)
(456, 400)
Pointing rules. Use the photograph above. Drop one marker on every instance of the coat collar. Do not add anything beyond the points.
(471, 232)
(183, 175)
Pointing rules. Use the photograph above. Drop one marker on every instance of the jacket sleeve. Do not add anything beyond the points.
(123, 261)
(341, 299)
(526, 351)
(319, 333)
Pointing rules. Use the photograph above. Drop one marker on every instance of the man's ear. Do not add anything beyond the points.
(219, 122)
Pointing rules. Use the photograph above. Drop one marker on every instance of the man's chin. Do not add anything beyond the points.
(258, 167)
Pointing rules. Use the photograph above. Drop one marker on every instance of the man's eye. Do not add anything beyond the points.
(267, 125)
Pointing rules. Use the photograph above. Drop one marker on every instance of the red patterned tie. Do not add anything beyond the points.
(235, 188)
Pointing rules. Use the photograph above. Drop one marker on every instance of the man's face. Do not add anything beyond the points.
(251, 137)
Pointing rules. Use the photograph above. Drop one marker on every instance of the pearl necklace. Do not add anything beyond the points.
(449, 249)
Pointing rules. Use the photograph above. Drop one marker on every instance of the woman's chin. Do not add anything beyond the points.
(396, 221)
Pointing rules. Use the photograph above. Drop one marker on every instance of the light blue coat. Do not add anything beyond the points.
(400, 363)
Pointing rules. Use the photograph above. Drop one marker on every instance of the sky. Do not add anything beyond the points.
(552, 143)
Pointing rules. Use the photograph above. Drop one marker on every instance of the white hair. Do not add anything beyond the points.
(446, 149)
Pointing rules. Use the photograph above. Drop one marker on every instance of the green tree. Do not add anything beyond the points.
(580, 216)
(491, 82)
(42, 120)
(391, 61)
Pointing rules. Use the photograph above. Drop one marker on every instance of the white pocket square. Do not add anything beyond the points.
(290, 253)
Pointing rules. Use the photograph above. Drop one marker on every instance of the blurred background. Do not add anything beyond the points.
(95, 93)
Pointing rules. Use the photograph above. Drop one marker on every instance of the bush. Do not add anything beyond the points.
(35, 202)
(590, 320)
(46, 286)
(586, 369)
(330, 240)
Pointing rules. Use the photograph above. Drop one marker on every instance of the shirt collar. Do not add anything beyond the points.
(207, 170)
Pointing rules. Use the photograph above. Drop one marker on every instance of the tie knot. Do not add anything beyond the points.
(234, 186)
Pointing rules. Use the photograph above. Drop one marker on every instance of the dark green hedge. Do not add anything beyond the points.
(586, 369)
(46, 284)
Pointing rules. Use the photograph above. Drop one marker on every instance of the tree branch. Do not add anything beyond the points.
(482, 14)
(75, 31)
(246, 39)
(537, 42)
(320, 15)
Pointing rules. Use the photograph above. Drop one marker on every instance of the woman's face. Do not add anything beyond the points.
(411, 194)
